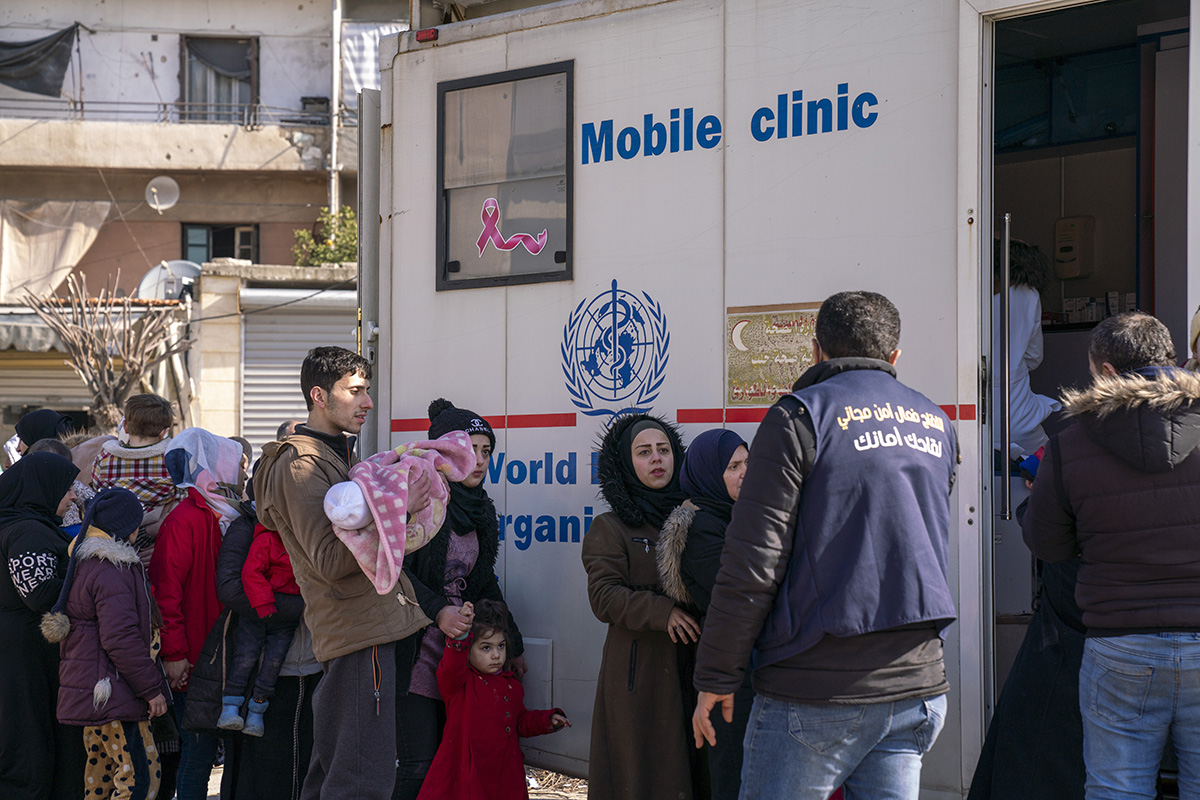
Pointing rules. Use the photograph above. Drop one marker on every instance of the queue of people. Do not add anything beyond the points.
(775, 612)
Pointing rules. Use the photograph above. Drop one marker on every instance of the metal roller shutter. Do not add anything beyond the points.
(41, 379)
(274, 345)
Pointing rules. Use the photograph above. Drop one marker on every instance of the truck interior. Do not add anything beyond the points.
(1089, 112)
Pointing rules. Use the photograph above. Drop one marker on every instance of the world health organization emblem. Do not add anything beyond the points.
(615, 353)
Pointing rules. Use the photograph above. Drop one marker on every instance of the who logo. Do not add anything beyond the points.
(615, 351)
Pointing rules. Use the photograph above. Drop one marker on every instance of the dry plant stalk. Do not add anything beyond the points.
(97, 332)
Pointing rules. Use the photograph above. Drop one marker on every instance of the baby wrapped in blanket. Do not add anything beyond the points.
(369, 512)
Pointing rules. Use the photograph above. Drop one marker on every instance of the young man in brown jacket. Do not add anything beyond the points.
(366, 641)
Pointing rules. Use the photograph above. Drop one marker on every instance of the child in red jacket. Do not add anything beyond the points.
(479, 756)
(267, 570)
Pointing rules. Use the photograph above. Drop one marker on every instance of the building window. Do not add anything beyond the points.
(220, 82)
(203, 243)
(504, 178)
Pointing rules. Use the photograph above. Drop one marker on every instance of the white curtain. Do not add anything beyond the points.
(42, 241)
(360, 57)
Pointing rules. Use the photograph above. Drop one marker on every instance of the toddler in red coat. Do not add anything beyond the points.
(267, 570)
(479, 756)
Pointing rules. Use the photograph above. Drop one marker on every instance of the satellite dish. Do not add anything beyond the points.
(162, 193)
(167, 280)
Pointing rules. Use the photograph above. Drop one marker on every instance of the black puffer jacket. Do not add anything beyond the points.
(427, 570)
(1121, 487)
(207, 682)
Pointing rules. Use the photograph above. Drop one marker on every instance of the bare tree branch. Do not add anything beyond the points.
(110, 350)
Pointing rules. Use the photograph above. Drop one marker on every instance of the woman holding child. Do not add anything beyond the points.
(457, 566)
(639, 746)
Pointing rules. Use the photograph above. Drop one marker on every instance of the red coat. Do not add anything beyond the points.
(480, 758)
(267, 570)
(183, 573)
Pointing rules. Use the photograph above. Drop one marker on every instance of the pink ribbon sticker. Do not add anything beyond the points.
(491, 233)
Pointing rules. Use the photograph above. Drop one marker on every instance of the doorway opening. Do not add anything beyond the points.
(1090, 160)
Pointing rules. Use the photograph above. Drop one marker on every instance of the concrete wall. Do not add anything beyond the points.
(134, 53)
(216, 358)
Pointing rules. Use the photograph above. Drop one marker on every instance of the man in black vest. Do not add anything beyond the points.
(834, 573)
(1121, 488)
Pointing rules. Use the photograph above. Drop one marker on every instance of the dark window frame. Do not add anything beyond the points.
(211, 228)
(187, 113)
(443, 281)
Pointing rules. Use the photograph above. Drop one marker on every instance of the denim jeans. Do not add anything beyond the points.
(804, 752)
(269, 637)
(1133, 690)
(197, 751)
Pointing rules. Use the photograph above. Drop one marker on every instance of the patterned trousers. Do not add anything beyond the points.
(122, 762)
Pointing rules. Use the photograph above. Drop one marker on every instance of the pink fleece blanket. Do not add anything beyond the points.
(384, 478)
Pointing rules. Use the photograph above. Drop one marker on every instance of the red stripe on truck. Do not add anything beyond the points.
(511, 421)
(693, 416)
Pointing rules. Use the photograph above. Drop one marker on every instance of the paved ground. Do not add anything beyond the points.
(550, 786)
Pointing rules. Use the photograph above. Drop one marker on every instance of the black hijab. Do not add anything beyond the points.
(32, 488)
(634, 502)
(703, 474)
(44, 423)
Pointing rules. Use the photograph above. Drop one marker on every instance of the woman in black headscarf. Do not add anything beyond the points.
(458, 565)
(38, 757)
(44, 423)
(640, 724)
(689, 557)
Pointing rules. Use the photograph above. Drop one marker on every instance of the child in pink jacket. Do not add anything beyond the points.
(267, 570)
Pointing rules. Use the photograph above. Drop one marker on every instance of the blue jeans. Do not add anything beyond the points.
(268, 637)
(196, 754)
(1133, 690)
(804, 752)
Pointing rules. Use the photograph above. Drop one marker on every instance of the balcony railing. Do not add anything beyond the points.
(247, 115)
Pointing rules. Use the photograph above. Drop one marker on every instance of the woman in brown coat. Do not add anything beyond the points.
(644, 698)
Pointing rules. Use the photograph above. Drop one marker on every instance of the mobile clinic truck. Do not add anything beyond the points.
(597, 206)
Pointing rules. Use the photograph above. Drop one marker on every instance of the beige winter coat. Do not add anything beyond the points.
(341, 607)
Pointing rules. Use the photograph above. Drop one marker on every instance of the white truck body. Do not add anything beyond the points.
(894, 198)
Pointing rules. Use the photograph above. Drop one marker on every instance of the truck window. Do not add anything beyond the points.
(504, 178)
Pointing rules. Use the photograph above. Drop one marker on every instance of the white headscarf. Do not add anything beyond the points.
(209, 464)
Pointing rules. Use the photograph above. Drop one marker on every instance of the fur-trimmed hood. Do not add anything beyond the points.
(671, 542)
(1149, 418)
(119, 450)
(610, 472)
(108, 549)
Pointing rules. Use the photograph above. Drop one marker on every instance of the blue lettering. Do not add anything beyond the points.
(594, 144)
(757, 130)
(564, 471)
(525, 529)
(781, 115)
(842, 89)
(516, 472)
(522, 527)
(629, 141)
(534, 468)
(797, 111)
(495, 467)
(674, 130)
(687, 130)
(862, 101)
(654, 134)
(824, 119)
(709, 132)
(568, 522)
